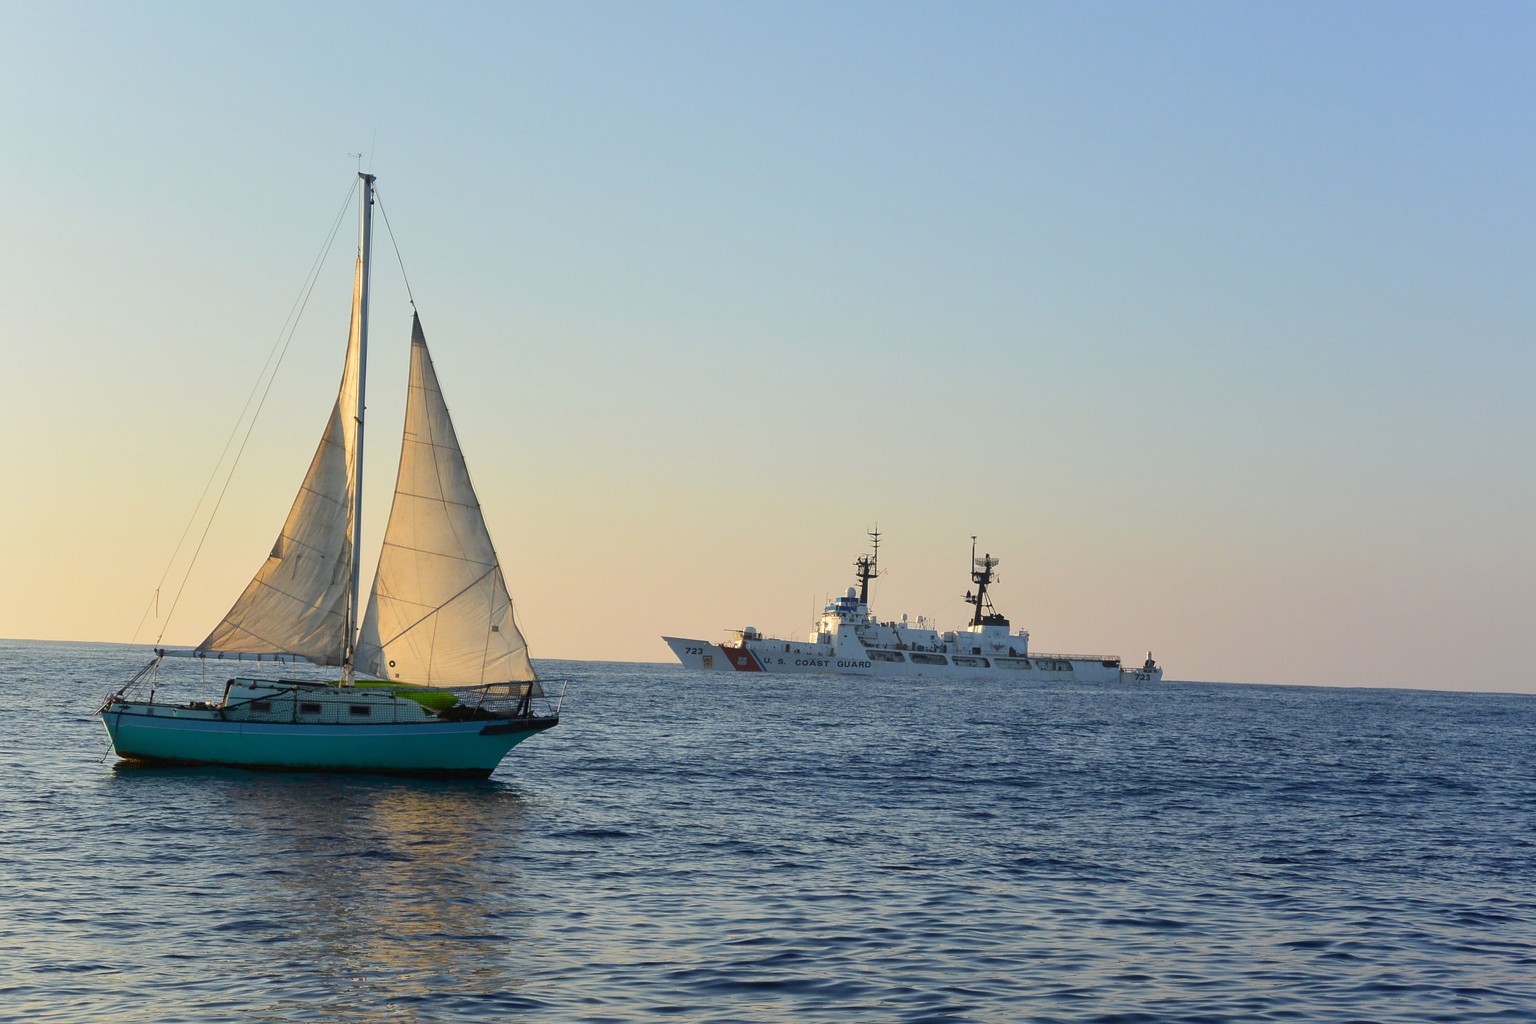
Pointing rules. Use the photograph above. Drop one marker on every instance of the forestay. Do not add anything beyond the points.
(439, 613)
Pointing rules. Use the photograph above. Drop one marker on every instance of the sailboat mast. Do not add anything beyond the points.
(365, 250)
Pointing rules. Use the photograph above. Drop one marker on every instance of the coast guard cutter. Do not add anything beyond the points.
(850, 640)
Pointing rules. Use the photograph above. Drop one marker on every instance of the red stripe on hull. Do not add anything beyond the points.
(742, 660)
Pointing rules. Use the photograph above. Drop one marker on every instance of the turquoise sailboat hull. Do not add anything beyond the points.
(163, 734)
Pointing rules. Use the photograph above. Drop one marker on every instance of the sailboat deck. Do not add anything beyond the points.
(311, 703)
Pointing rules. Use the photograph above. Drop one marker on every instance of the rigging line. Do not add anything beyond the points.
(464, 590)
(295, 314)
(391, 232)
(291, 318)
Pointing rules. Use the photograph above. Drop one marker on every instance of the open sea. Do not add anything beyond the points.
(700, 847)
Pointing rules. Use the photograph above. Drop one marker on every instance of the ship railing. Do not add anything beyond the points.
(1101, 658)
(516, 699)
(286, 699)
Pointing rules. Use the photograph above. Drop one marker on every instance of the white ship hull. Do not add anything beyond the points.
(787, 657)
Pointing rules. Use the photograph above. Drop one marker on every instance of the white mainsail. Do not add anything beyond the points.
(297, 603)
(439, 613)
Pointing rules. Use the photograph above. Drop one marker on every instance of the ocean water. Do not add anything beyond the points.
(694, 847)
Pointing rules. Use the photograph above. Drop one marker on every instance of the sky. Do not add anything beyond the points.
(1215, 322)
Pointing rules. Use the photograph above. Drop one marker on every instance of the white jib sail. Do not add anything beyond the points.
(297, 603)
(439, 613)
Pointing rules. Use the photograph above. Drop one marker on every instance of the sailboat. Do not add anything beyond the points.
(435, 679)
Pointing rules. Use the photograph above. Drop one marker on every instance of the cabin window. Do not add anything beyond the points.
(359, 710)
(307, 708)
(261, 705)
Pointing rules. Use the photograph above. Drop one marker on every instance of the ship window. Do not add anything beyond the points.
(309, 709)
(261, 705)
(360, 710)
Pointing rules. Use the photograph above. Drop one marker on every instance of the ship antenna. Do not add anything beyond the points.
(867, 567)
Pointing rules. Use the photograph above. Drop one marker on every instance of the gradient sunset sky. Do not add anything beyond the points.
(1215, 321)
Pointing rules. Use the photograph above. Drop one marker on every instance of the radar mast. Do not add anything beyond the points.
(867, 567)
(981, 575)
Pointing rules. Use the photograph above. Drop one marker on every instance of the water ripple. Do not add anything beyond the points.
(695, 848)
